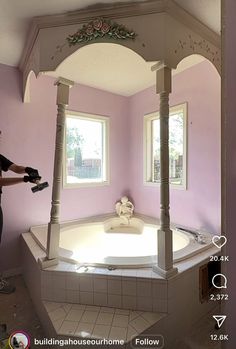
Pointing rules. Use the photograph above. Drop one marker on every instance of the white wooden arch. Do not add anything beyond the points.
(164, 32)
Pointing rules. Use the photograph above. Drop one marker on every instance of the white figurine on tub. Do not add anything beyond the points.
(125, 209)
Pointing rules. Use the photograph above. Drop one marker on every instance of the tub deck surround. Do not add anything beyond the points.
(136, 289)
(105, 248)
(128, 291)
(85, 321)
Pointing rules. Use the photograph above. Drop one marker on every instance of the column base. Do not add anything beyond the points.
(53, 240)
(45, 263)
(165, 273)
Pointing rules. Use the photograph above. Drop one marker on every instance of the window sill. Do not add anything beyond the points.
(172, 186)
(85, 185)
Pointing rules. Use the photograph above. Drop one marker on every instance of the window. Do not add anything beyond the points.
(86, 150)
(177, 147)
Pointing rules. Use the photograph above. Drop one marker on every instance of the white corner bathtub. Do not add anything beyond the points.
(102, 241)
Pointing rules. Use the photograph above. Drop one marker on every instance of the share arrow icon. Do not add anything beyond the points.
(219, 319)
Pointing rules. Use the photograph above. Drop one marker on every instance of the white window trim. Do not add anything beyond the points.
(147, 147)
(106, 152)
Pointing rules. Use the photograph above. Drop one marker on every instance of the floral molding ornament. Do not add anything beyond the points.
(99, 28)
(195, 45)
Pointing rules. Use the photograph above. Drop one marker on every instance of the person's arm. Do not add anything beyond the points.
(10, 181)
(17, 169)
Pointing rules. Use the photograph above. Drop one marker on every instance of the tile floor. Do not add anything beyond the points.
(17, 311)
(99, 322)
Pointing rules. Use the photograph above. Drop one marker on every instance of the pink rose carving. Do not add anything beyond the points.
(105, 28)
(89, 29)
(97, 24)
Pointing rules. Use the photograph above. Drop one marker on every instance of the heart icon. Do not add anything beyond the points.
(219, 241)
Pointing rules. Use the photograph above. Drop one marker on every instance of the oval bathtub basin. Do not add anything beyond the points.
(109, 243)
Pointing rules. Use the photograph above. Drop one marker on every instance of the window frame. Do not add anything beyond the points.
(148, 148)
(106, 145)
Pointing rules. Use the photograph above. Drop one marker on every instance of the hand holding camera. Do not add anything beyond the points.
(34, 177)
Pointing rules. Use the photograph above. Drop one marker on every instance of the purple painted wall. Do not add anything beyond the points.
(229, 46)
(199, 205)
(28, 135)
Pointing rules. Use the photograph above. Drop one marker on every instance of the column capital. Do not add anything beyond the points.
(63, 86)
(159, 65)
(163, 77)
(64, 81)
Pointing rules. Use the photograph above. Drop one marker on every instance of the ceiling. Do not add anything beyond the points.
(112, 61)
(116, 69)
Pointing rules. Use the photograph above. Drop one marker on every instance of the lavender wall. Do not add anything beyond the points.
(199, 205)
(229, 46)
(28, 136)
(28, 139)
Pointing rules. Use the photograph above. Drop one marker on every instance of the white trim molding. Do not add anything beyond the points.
(47, 46)
(105, 120)
(148, 149)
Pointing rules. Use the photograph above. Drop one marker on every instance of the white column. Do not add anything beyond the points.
(164, 235)
(53, 237)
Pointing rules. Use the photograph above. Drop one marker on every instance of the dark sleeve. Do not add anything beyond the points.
(5, 163)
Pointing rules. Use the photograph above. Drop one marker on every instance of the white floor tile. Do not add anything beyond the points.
(84, 330)
(68, 327)
(57, 324)
(101, 331)
(122, 311)
(50, 306)
(151, 317)
(104, 318)
(120, 320)
(92, 308)
(74, 315)
(57, 314)
(89, 316)
(131, 333)
(134, 314)
(78, 306)
(67, 307)
(107, 310)
(118, 333)
(139, 324)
